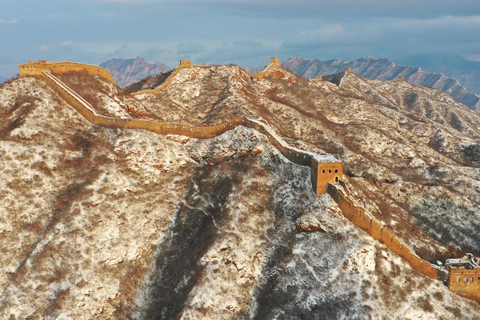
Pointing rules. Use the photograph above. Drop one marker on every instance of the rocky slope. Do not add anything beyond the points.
(384, 69)
(126, 224)
(128, 71)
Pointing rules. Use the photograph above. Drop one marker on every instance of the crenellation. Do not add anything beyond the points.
(257, 76)
(35, 69)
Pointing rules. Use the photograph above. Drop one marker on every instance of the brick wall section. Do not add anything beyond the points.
(257, 76)
(295, 155)
(183, 64)
(375, 228)
(469, 288)
(35, 69)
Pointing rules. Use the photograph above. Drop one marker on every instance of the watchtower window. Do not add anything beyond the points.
(478, 278)
(329, 171)
(323, 171)
(466, 279)
(336, 170)
(458, 279)
(471, 279)
(336, 179)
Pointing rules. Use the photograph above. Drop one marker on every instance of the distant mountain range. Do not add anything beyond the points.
(385, 69)
(465, 71)
(128, 71)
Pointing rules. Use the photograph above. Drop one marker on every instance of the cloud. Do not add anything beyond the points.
(9, 21)
(44, 48)
(191, 48)
(67, 43)
(347, 8)
(388, 37)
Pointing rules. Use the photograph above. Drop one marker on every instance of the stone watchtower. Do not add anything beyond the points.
(275, 61)
(464, 277)
(325, 169)
(185, 64)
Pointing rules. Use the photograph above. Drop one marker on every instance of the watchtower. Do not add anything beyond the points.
(185, 64)
(464, 277)
(325, 169)
(275, 61)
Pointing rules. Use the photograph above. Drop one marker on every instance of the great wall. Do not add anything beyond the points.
(462, 276)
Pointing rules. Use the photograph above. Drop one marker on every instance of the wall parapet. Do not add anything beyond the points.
(257, 76)
(359, 216)
(183, 65)
(317, 163)
(35, 69)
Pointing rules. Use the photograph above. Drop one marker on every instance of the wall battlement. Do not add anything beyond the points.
(257, 76)
(324, 168)
(35, 69)
(183, 65)
(377, 230)
(464, 277)
(462, 281)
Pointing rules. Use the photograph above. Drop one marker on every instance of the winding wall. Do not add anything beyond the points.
(377, 229)
(35, 69)
(183, 64)
(259, 75)
(313, 161)
(325, 169)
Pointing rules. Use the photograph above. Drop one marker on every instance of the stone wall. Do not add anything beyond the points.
(257, 76)
(377, 229)
(465, 282)
(327, 172)
(35, 69)
(183, 64)
(297, 156)
(300, 157)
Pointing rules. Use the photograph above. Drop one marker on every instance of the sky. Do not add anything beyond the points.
(242, 32)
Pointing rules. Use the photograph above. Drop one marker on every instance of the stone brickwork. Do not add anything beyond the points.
(328, 172)
(465, 282)
(257, 76)
(35, 69)
(183, 64)
(377, 229)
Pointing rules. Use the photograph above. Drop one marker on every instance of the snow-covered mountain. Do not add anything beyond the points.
(128, 71)
(111, 223)
(384, 69)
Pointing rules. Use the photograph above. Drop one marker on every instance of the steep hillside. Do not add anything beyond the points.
(384, 69)
(127, 224)
(128, 71)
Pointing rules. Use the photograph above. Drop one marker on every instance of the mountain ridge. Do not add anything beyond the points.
(111, 219)
(384, 69)
(129, 71)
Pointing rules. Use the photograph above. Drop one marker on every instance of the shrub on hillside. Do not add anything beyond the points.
(472, 152)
